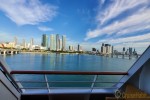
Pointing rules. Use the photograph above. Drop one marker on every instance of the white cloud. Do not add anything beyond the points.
(27, 11)
(143, 45)
(144, 37)
(117, 7)
(140, 42)
(139, 46)
(133, 23)
(44, 28)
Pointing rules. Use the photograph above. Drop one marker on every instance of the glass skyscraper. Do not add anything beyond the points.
(15, 41)
(52, 42)
(45, 41)
(60, 44)
(57, 42)
(63, 43)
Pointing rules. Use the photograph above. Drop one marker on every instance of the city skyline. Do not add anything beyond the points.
(89, 23)
(49, 43)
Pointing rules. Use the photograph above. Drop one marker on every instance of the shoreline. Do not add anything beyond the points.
(35, 52)
(48, 53)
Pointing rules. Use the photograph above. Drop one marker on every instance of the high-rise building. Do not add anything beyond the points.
(45, 41)
(60, 44)
(79, 48)
(134, 52)
(106, 48)
(130, 51)
(15, 41)
(103, 49)
(57, 42)
(123, 50)
(127, 52)
(23, 43)
(71, 48)
(31, 44)
(53, 42)
(93, 49)
(103, 44)
(112, 49)
(63, 43)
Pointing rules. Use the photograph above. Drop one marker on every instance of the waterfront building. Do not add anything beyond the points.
(93, 49)
(112, 49)
(23, 43)
(63, 43)
(53, 42)
(106, 49)
(31, 44)
(45, 41)
(130, 51)
(134, 52)
(71, 48)
(123, 50)
(15, 41)
(103, 44)
(32, 41)
(28, 45)
(115, 52)
(60, 44)
(127, 52)
(37, 47)
(7, 45)
(57, 42)
(103, 49)
(79, 48)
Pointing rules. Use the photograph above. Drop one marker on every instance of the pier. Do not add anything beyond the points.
(8, 52)
(123, 56)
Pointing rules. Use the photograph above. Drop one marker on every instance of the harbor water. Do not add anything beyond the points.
(67, 62)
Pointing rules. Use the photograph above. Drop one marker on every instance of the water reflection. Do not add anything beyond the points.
(62, 60)
(72, 62)
(52, 61)
(68, 62)
(43, 62)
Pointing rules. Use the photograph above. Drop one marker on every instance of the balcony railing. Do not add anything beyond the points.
(67, 72)
(70, 85)
(80, 81)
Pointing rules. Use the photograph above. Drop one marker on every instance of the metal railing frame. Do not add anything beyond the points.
(45, 73)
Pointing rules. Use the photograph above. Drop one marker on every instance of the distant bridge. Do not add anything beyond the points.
(125, 56)
(8, 52)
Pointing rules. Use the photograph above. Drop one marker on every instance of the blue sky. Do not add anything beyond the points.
(87, 22)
